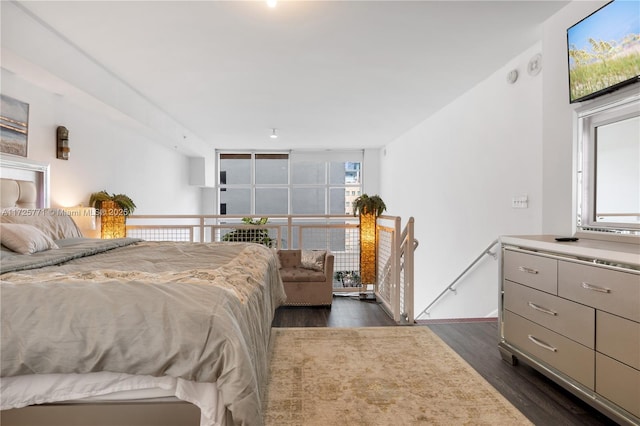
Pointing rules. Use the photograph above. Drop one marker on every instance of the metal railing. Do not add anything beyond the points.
(395, 278)
(338, 233)
(450, 288)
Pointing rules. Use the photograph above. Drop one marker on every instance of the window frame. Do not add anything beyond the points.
(292, 156)
(587, 119)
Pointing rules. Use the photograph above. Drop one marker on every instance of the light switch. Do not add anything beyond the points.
(520, 202)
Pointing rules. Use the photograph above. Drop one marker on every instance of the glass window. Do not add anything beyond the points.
(272, 169)
(259, 183)
(272, 201)
(236, 200)
(308, 201)
(617, 176)
(344, 172)
(237, 168)
(609, 170)
(308, 172)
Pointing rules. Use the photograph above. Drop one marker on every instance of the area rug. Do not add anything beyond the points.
(377, 376)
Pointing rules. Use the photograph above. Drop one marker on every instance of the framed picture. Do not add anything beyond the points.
(14, 125)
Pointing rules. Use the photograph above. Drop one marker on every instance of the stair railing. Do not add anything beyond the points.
(450, 288)
(395, 279)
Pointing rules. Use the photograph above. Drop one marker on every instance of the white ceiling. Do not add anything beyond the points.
(326, 74)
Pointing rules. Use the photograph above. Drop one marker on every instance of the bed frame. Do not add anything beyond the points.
(25, 184)
(174, 413)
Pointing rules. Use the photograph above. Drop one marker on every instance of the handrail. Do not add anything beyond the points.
(450, 286)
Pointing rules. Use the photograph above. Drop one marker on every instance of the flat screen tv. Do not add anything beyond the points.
(604, 50)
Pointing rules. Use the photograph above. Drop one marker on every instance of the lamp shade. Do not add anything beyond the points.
(112, 220)
(368, 248)
(85, 218)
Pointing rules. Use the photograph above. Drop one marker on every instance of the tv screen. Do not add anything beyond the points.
(604, 50)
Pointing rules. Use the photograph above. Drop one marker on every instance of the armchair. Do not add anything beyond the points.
(307, 276)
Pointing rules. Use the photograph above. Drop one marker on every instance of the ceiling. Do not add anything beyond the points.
(326, 74)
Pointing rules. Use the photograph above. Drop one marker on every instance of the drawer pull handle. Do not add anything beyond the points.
(527, 270)
(542, 344)
(541, 309)
(595, 288)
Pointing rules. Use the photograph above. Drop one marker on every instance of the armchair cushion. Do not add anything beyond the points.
(301, 275)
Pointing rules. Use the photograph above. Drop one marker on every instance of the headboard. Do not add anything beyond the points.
(21, 194)
(23, 183)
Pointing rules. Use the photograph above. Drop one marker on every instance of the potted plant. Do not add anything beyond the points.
(365, 204)
(368, 208)
(122, 201)
(113, 210)
(260, 236)
(347, 278)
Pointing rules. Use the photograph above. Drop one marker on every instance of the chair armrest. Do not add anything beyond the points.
(328, 266)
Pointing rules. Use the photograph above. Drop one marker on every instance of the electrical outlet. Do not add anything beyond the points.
(520, 202)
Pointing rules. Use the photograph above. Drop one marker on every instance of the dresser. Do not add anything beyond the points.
(571, 310)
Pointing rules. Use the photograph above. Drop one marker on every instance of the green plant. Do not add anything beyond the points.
(125, 203)
(366, 205)
(347, 278)
(260, 236)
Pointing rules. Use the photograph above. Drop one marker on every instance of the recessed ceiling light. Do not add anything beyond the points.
(274, 133)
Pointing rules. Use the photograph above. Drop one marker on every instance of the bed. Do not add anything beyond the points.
(124, 324)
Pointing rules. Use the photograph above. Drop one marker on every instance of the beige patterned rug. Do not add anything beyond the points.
(377, 376)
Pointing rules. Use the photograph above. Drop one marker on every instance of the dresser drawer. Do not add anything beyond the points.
(618, 338)
(567, 356)
(619, 383)
(612, 291)
(531, 270)
(570, 319)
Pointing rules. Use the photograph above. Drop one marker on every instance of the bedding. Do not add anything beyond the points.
(21, 391)
(55, 223)
(199, 312)
(24, 239)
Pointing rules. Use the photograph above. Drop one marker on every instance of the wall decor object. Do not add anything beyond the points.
(62, 143)
(14, 123)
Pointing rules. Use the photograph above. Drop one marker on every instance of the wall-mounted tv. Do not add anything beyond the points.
(604, 50)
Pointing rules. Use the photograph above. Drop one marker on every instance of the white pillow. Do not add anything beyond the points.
(24, 239)
(313, 259)
(55, 223)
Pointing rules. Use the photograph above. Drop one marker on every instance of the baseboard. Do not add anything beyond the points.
(455, 320)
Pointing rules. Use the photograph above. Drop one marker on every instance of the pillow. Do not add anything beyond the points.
(24, 239)
(313, 259)
(54, 223)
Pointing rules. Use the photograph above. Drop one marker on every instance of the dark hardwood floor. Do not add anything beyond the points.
(537, 397)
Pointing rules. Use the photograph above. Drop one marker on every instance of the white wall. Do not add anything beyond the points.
(104, 155)
(120, 142)
(457, 171)
(456, 174)
(559, 183)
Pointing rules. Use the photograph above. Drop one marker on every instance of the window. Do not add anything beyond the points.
(288, 183)
(608, 166)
